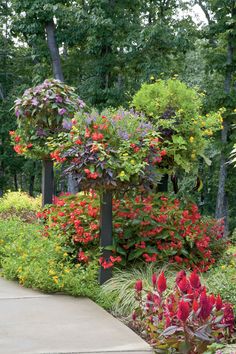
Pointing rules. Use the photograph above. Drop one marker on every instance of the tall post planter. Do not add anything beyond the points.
(47, 182)
(163, 185)
(106, 233)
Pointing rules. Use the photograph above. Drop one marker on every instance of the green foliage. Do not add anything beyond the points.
(175, 110)
(43, 263)
(222, 279)
(19, 201)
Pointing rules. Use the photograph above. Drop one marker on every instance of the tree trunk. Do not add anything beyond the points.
(32, 180)
(221, 203)
(15, 182)
(106, 233)
(54, 51)
(58, 74)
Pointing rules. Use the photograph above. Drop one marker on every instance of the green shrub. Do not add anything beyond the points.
(43, 263)
(19, 201)
(19, 205)
(175, 110)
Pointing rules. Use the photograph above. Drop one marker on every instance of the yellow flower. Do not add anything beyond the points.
(65, 254)
(122, 174)
(223, 267)
(57, 248)
(55, 279)
(51, 272)
(191, 139)
(67, 270)
(132, 161)
(209, 132)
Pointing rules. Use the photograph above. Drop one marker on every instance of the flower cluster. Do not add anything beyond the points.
(43, 112)
(150, 229)
(186, 318)
(77, 219)
(157, 228)
(112, 150)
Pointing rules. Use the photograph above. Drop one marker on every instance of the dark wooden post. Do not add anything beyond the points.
(47, 182)
(106, 233)
(163, 185)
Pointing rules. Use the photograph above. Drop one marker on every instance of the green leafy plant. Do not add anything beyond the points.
(175, 109)
(43, 263)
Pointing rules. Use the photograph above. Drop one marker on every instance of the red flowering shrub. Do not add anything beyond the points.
(186, 318)
(157, 228)
(151, 229)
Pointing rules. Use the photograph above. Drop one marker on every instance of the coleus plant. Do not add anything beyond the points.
(185, 318)
(43, 112)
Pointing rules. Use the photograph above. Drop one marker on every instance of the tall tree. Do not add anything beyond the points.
(221, 34)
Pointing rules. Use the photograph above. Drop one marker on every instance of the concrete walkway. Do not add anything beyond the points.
(32, 322)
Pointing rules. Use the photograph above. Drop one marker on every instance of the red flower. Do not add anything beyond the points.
(115, 259)
(12, 132)
(205, 305)
(78, 142)
(87, 133)
(161, 283)
(195, 305)
(19, 149)
(183, 311)
(139, 285)
(148, 258)
(97, 136)
(17, 139)
(154, 280)
(218, 303)
(194, 280)
(178, 259)
(183, 284)
(82, 257)
(163, 153)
